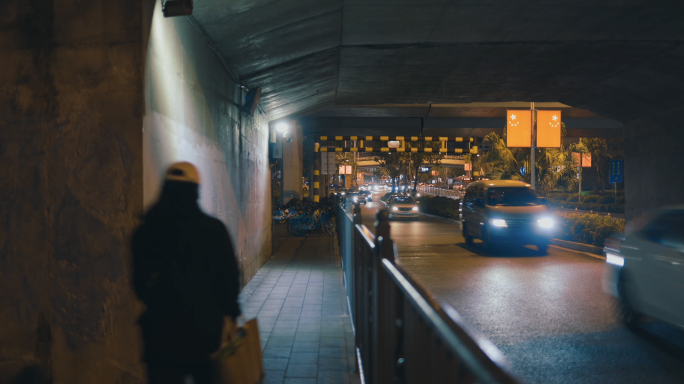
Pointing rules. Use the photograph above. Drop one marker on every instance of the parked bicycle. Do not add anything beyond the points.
(305, 224)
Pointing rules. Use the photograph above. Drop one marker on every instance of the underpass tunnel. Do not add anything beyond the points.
(98, 98)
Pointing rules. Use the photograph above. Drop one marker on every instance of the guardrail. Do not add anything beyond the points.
(451, 193)
(404, 334)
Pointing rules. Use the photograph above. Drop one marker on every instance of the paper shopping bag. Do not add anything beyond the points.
(241, 361)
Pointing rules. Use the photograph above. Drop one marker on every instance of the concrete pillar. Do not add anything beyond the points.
(316, 187)
(311, 155)
(96, 100)
(293, 163)
(654, 165)
(71, 102)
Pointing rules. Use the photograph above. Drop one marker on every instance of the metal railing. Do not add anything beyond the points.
(404, 334)
(436, 191)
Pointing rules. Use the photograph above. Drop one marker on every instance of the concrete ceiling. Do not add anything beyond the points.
(620, 59)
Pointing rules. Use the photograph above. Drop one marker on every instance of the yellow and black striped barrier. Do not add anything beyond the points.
(316, 186)
(397, 138)
(472, 149)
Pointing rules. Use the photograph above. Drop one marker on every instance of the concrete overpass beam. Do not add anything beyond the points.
(654, 163)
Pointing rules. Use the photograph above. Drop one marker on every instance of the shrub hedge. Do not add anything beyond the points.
(587, 228)
(595, 203)
(577, 227)
(440, 206)
(606, 200)
(591, 199)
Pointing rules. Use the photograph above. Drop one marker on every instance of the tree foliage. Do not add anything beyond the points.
(393, 165)
(348, 158)
(419, 159)
(553, 166)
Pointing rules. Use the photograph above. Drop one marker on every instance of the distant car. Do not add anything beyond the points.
(645, 268)
(401, 206)
(357, 197)
(506, 212)
(367, 194)
(411, 192)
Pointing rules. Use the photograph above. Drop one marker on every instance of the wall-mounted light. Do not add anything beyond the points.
(282, 127)
(173, 8)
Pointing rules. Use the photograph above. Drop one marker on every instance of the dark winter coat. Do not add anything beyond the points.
(186, 273)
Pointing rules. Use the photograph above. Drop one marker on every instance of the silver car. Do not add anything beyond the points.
(506, 212)
(645, 267)
(401, 206)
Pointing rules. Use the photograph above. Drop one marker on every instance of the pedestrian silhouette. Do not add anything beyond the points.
(186, 274)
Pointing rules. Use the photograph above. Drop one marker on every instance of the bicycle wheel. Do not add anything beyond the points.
(328, 227)
(300, 229)
(290, 227)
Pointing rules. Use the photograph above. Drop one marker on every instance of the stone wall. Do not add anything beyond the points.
(192, 114)
(96, 99)
(293, 160)
(71, 108)
(654, 162)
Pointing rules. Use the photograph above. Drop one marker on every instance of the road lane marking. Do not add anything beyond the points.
(584, 253)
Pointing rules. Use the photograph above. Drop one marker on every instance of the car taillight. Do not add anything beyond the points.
(612, 244)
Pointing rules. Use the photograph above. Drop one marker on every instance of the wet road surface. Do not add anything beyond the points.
(547, 313)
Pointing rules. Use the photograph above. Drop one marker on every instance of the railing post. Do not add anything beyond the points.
(382, 232)
(357, 213)
(382, 310)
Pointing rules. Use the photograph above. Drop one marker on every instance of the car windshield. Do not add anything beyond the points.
(403, 199)
(512, 196)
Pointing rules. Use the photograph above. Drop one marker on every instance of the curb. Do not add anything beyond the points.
(578, 246)
(441, 218)
(569, 245)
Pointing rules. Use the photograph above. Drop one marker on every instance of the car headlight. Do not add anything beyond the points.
(615, 260)
(417, 194)
(341, 193)
(545, 222)
(415, 208)
(395, 208)
(501, 223)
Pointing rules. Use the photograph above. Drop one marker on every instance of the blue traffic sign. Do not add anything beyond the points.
(615, 171)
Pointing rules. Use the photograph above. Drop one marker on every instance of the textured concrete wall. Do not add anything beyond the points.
(191, 114)
(71, 107)
(293, 160)
(654, 163)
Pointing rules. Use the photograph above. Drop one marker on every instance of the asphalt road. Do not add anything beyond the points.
(547, 313)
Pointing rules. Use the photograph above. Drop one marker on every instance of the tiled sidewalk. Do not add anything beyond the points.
(299, 298)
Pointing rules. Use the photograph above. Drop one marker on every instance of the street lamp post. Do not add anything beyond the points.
(533, 147)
